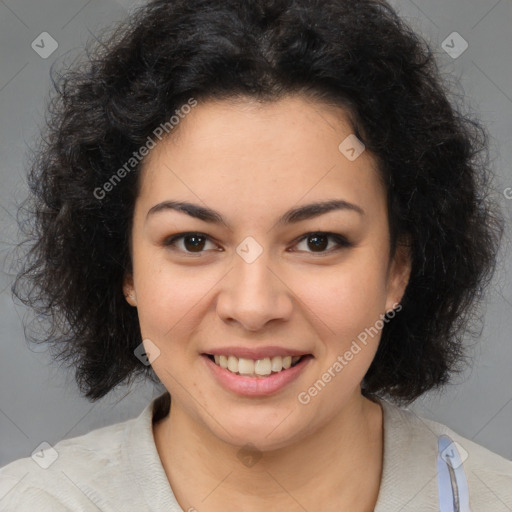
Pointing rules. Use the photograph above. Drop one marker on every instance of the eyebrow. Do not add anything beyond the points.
(301, 213)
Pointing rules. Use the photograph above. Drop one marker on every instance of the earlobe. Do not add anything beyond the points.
(129, 290)
(399, 274)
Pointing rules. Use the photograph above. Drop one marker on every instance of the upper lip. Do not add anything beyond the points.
(255, 353)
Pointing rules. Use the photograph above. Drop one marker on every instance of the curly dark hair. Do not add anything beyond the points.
(358, 54)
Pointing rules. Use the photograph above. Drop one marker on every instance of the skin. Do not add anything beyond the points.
(252, 162)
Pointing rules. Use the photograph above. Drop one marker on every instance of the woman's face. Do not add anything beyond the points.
(259, 284)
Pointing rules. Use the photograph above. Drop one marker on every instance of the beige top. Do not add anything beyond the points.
(118, 469)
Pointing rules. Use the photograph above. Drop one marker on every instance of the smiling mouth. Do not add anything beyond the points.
(256, 368)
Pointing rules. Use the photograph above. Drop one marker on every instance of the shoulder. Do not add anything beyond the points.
(75, 474)
(413, 447)
(474, 456)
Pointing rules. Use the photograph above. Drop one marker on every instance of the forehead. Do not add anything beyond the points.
(243, 153)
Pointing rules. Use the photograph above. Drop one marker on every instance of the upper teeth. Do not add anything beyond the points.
(255, 367)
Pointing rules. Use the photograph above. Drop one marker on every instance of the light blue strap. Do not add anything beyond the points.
(444, 483)
(451, 479)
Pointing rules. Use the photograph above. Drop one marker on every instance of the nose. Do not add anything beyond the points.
(253, 294)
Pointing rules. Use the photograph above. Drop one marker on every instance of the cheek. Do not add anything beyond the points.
(170, 298)
(347, 298)
(345, 308)
(169, 304)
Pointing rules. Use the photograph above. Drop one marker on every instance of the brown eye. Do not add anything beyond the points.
(318, 242)
(192, 242)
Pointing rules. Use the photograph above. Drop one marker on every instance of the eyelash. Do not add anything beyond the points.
(342, 242)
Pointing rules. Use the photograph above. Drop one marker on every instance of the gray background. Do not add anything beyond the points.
(39, 401)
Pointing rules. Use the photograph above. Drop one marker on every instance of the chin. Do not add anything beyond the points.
(263, 435)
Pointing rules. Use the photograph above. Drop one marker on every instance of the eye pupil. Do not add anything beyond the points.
(320, 246)
(196, 245)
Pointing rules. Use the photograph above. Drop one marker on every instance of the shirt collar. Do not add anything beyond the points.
(409, 460)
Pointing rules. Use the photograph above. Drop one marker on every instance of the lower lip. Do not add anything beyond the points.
(255, 386)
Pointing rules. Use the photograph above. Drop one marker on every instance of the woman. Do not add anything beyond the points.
(272, 209)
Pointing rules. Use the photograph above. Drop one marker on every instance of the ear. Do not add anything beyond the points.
(129, 290)
(399, 273)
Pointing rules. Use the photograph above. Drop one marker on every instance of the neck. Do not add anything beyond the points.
(336, 466)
